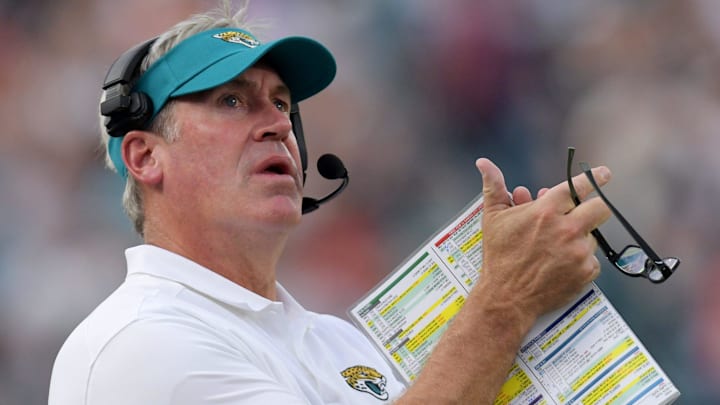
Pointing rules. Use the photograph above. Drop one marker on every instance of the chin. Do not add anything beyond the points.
(284, 212)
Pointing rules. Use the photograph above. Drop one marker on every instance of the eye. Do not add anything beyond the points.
(231, 101)
(282, 105)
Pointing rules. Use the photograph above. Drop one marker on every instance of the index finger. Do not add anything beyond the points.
(559, 196)
(591, 213)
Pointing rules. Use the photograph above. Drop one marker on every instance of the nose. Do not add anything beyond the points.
(274, 124)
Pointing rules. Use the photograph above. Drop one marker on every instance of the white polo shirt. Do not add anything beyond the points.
(177, 333)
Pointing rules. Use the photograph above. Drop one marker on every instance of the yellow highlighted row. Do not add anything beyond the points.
(470, 243)
(615, 353)
(516, 384)
(614, 379)
(574, 321)
(414, 285)
(439, 321)
(632, 384)
(428, 311)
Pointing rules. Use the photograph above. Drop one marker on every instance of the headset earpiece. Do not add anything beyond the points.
(136, 113)
(124, 109)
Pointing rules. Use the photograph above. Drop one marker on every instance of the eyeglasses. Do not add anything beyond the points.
(634, 260)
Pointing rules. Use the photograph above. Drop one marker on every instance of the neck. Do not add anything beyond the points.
(248, 258)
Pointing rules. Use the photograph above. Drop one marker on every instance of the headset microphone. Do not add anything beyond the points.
(330, 167)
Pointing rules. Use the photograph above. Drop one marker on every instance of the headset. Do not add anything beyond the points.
(126, 110)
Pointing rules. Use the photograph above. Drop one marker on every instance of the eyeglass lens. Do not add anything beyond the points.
(633, 260)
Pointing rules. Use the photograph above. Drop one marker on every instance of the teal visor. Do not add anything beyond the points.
(214, 57)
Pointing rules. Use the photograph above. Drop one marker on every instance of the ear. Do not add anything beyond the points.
(140, 150)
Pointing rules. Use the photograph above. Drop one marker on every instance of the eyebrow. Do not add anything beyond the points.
(243, 83)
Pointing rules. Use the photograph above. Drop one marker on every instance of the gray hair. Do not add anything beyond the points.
(164, 124)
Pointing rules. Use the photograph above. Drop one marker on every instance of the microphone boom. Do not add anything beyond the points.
(330, 167)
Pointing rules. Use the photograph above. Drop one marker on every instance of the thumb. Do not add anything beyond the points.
(495, 193)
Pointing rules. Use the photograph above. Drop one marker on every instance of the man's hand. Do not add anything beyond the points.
(538, 254)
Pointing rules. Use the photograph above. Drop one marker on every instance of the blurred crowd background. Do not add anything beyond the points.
(423, 89)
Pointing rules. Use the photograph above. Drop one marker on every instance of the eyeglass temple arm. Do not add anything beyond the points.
(643, 245)
(604, 245)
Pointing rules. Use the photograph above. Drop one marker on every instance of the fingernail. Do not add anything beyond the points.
(477, 161)
(603, 173)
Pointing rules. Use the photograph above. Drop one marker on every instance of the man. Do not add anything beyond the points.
(214, 186)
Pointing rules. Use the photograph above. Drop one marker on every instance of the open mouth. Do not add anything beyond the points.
(277, 166)
(277, 169)
(374, 387)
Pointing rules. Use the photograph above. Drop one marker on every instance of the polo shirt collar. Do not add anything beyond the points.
(162, 263)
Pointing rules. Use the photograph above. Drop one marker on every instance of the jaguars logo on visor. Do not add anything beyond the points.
(237, 37)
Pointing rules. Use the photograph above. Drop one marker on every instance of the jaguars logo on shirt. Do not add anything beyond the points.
(366, 379)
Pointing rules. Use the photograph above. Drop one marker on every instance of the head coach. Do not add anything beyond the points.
(203, 124)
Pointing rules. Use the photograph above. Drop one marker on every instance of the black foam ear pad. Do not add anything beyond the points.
(136, 115)
(124, 109)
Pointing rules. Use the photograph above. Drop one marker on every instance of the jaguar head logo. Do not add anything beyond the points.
(238, 37)
(366, 379)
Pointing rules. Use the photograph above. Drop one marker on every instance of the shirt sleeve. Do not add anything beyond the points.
(165, 362)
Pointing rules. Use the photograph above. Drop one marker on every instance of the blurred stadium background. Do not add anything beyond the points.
(423, 88)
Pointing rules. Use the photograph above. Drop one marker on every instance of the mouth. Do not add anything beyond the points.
(277, 166)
